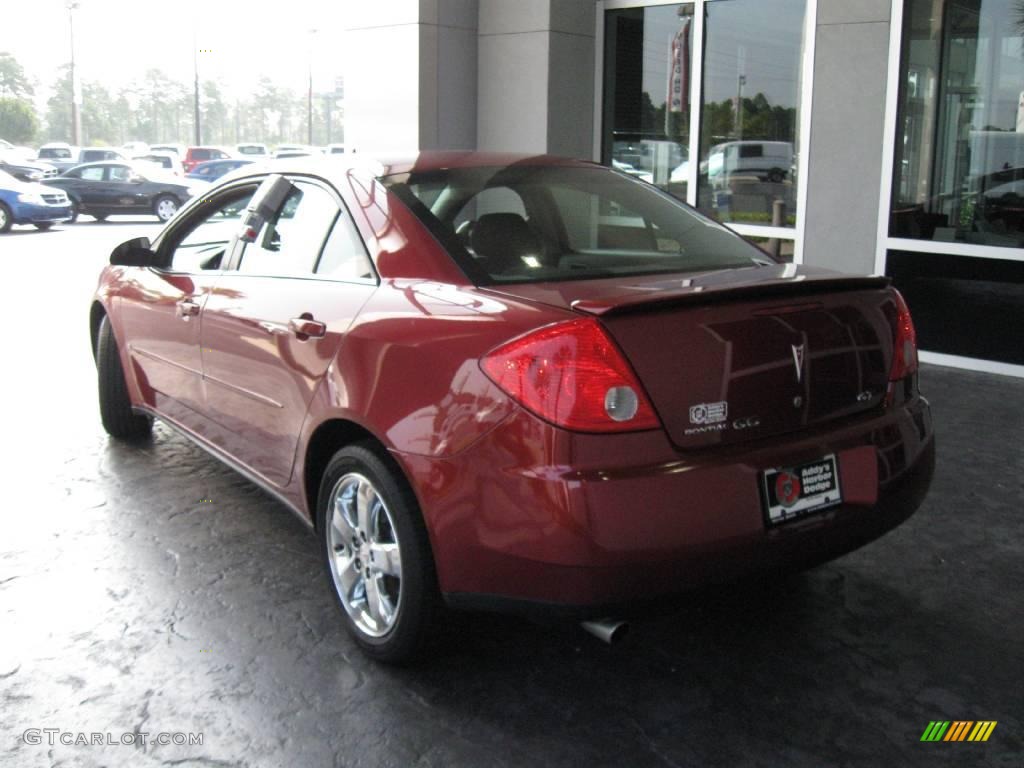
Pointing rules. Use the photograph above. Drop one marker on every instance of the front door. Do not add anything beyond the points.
(164, 309)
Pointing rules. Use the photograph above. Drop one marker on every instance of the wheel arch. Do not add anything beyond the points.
(327, 439)
(96, 314)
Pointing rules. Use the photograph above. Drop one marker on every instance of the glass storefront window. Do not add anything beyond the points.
(647, 94)
(959, 160)
(750, 111)
(749, 100)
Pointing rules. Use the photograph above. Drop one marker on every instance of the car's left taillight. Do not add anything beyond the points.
(572, 375)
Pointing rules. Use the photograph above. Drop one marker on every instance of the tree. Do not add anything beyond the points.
(13, 81)
(58, 107)
(18, 121)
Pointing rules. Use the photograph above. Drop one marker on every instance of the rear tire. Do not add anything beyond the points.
(119, 420)
(100, 216)
(44, 225)
(389, 618)
(5, 219)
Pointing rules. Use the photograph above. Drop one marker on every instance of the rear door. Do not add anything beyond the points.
(275, 323)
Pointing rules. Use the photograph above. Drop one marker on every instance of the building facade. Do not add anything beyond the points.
(873, 136)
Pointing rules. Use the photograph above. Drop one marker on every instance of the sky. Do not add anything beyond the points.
(117, 40)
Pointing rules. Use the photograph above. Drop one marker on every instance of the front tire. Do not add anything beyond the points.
(74, 211)
(6, 220)
(165, 207)
(376, 554)
(119, 420)
(43, 226)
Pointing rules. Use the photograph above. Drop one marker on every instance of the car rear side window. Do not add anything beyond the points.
(344, 257)
(290, 244)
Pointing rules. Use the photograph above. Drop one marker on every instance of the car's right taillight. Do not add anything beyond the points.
(573, 375)
(904, 338)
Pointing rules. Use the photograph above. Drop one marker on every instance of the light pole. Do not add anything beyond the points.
(76, 117)
(309, 95)
(195, 69)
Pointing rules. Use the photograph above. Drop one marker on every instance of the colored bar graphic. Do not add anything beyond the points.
(958, 730)
(982, 730)
(935, 730)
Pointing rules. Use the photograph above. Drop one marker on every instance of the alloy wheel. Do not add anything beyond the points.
(365, 557)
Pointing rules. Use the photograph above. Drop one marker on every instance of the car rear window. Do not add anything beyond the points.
(201, 154)
(536, 223)
(55, 153)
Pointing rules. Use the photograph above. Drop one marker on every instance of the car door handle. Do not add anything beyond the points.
(187, 309)
(305, 327)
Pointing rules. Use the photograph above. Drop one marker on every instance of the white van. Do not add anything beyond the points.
(766, 160)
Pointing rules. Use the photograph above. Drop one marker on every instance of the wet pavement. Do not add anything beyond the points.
(149, 589)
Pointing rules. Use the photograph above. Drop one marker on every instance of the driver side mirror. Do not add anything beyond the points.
(136, 252)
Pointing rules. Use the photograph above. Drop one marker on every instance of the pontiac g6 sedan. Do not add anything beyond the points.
(515, 383)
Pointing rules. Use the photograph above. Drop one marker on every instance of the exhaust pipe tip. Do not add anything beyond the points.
(610, 631)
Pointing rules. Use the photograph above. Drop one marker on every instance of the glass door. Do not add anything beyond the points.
(705, 100)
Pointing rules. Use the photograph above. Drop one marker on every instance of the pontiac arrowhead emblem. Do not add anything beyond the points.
(798, 361)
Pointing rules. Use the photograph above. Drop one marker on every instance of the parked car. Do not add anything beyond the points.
(30, 203)
(212, 170)
(169, 161)
(100, 154)
(133, 148)
(109, 188)
(25, 170)
(252, 151)
(520, 383)
(60, 155)
(288, 151)
(196, 155)
(178, 149)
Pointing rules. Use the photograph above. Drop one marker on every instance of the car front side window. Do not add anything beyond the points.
(204, 242)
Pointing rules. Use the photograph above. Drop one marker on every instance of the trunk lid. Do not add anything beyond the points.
(744, 354)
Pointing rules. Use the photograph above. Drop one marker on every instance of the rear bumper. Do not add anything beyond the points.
(533, 518)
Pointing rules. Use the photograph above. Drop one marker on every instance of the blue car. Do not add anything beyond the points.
(214, 169)
(30, 203)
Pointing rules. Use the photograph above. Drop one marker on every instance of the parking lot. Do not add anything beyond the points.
(153, 590)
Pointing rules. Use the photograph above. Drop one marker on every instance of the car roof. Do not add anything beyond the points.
(334, 168)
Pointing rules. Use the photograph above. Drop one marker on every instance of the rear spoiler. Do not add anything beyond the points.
(707, 291)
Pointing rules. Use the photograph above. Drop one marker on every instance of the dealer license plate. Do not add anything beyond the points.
(793, 492)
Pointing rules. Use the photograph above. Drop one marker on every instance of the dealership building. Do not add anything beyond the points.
(876, 136)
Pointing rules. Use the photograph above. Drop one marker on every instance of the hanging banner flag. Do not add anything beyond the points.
(679, 71)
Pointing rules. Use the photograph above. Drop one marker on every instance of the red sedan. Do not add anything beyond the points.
(517, 383)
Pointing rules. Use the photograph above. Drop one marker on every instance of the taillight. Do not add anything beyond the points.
(904, 358)
(572, 375)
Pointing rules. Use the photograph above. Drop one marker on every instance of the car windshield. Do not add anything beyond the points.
(54, 153)
(533, 223)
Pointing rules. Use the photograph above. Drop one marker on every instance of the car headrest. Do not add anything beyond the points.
(503, 239)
